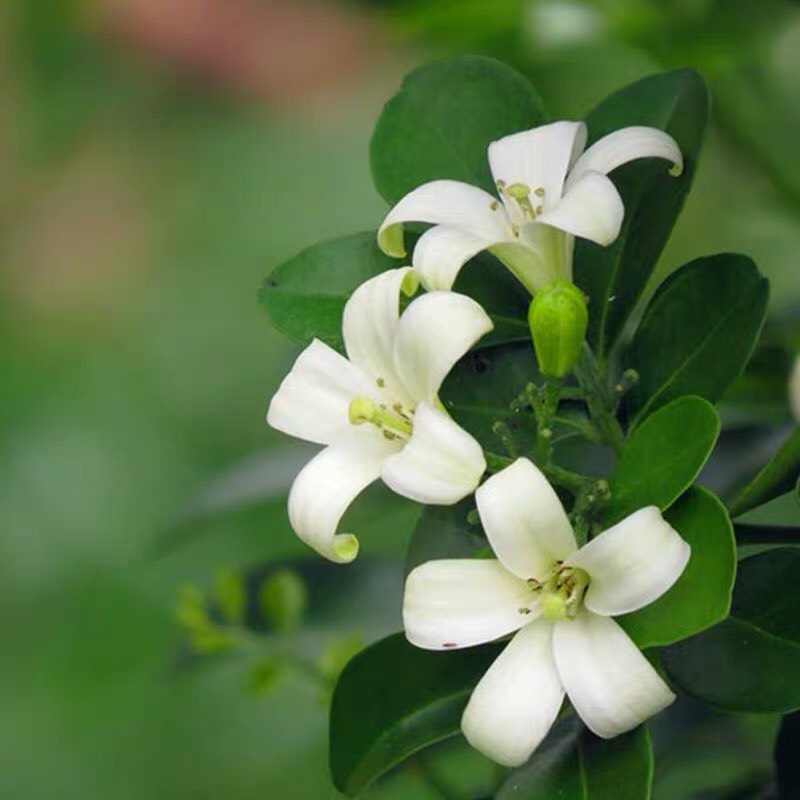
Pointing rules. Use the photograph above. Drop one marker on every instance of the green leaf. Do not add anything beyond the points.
(701, 597)
(481, 387)
(777, 477)
(574, 764)
(305, 296)
(614, 277)
(749, 662)
(501, 295)
(697, 333)
(663, 456)
(392, 700)
(441, 122)
(444, 532)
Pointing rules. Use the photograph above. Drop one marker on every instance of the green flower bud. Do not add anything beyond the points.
(558, 319)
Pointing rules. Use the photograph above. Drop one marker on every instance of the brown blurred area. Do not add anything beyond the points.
(280, 50)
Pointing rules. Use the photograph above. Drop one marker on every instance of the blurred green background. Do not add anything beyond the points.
(157, 158)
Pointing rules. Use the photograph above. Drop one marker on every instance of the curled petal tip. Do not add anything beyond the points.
(345, 548)
(410, 283)
(676, 170)
(390, 241)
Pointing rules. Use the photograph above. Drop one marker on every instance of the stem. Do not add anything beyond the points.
(586, 429)
(494, 462)
(590, 504)
(503, 433)
(567, 479)
(599, 399)
(544, 401)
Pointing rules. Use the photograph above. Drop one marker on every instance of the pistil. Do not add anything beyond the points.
(395, 423)
(562, 594)
(521, 193)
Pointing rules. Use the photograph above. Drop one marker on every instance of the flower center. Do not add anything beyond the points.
(395, 421)
(561, 594)
(521, 193)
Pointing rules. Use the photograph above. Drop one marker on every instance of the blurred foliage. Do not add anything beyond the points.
(139, 209)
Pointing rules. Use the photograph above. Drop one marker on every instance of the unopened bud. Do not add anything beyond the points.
(558, 319)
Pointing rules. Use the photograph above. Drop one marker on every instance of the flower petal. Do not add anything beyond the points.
(440, 464)
(313, 400)
(591, 209)
(530, 263)
(435, 331)
(369, 323)
(462, 602)
(632, 563)
(441, 252)
(610, 683)
(516, 702)
(538, 158)
(524, 520)
(327, 485)
(445, 203)
(624, 145)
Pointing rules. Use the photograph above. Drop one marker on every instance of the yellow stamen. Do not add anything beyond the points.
(395, 423)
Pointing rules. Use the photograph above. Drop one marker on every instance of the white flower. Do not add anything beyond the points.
(377, 410)
(561, 600)
(550, 193)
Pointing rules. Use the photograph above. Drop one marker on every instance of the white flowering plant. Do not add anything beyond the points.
(481, 352)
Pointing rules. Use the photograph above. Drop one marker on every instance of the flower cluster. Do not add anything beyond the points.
(378, 415)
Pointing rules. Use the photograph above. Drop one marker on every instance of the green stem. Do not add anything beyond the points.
(590, 504)
(599, 399)
(544, 402)
(585, 428)
(567, 479)
(495, 462)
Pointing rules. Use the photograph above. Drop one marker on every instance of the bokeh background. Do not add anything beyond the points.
(157, 159)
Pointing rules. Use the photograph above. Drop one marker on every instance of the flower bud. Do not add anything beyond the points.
(558, 319)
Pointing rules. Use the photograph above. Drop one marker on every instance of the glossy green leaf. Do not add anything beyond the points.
(663, 456)
(701, 597)
(444, 532)
(480, 389)
(501, 295)
(777, 477)
(749, 662)
(305, 296)
(697, 333)
(573, 764)
(442, 120)
(392, 700)
(614, 277)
